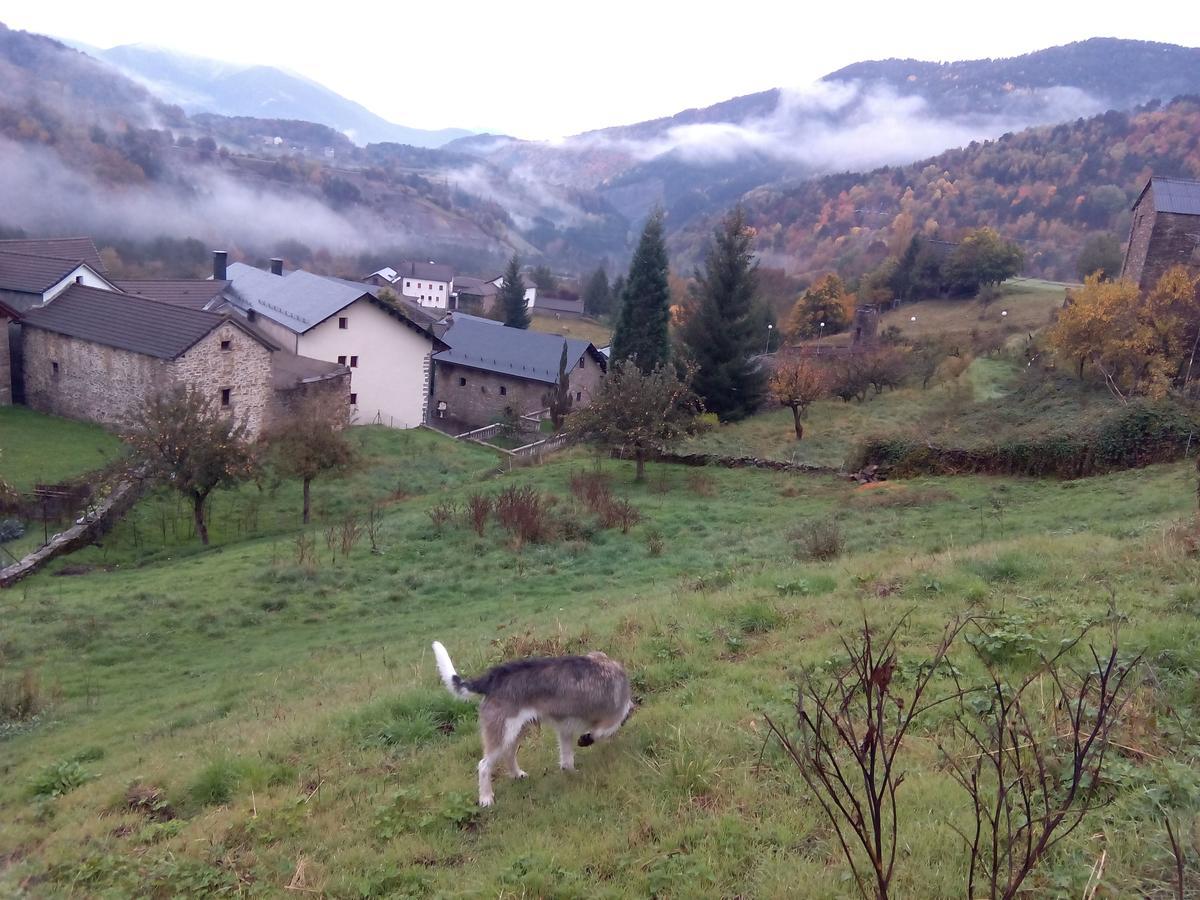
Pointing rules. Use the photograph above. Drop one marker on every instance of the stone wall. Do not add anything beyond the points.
(5, 364)
(106, 385)
(336, 389)
(91, 382)
(480, 401)
(244, 370)
(1157, 241)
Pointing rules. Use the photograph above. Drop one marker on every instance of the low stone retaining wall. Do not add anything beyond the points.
(744, 462)
(93, 524)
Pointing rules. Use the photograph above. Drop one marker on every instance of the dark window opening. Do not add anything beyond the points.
(226, 345)
(503, 391)
(578, 396)
(582, 362)
(354, 399)
(343, 323)
(354, 362)
(462, 382)
(79, 279)
(341, 360)
(441, 409)
(251, 316)
(54, 369)
(225, 396)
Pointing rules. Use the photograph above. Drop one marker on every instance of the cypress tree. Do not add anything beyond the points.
(512, 296)
(719, 333)
(641, 333)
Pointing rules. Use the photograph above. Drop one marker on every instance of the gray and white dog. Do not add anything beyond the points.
(581, 697)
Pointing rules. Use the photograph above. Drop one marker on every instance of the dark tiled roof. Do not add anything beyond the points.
(128, 323)
(59, 248)
(289, 370)
(559, 304)
(467, 284)
(427, 270)
(1176, 195)
(33, 274)
(7, 312)
(483, 344)
(193, 293)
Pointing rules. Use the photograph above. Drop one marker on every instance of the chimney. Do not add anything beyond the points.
(276, 266)
(219, 259)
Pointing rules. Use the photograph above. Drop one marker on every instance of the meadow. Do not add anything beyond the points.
(265, 715)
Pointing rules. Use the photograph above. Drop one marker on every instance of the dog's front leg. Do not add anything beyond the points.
(486, 797)
(566, 750)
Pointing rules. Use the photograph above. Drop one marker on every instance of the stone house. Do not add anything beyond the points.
(8, 315)
(1165, 230)
(492, 372)
(97, 355)
(387, 346)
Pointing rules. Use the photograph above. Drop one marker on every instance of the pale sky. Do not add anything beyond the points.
(540, 69)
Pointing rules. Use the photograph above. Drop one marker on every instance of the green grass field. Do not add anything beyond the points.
(38, 448)
(281, 722)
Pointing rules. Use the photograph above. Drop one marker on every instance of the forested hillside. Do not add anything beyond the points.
(1047, 188)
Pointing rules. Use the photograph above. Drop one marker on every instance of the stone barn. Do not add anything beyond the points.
(492, 372)
(1165, 230)
(8, 315)
(97, 355)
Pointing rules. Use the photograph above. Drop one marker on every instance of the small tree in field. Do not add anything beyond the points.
(312, 441)
(181, 440)
(642, 412)
(796, 384)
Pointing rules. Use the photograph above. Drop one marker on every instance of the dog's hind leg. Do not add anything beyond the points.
(567, 733)
(510, 760)
(492, 730)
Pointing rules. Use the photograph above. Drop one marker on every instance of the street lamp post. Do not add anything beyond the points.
(820, 334)
(767, 346)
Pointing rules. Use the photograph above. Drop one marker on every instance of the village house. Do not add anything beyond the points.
(97, 355)
(473, 295)
(8, 315)
(491, 372)
(1165, 230)
(530, 289)
(387, 346)
(27, 281)
(561, 307)
(429, 284)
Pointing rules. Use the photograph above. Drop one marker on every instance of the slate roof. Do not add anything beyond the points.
(484, 344)
(33, 274)
(468, 284)
(129, 323)
(7, 312)
(193, 293)
(559, 304)
(289, 370)
(427, 270)
(301, 300)
(76, 248)
(1175, 195)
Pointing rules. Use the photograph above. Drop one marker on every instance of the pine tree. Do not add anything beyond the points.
(511, 298)
(597, 296)
(641, 333)
(718, 333)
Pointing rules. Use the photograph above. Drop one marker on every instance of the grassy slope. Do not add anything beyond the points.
(40, 448)
(585, 329)
(318, 687)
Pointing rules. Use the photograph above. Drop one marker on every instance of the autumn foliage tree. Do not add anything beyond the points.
(311, 441)
(640, 412)
(826, 301)
(181, 440)
(796, 384)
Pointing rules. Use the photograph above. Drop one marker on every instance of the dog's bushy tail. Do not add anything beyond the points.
(454, 684)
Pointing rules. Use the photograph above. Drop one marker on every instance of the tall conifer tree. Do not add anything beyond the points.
(642, 333)
(512, 296)
(719, 333)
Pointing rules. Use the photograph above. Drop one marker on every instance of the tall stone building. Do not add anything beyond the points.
(1165, 231)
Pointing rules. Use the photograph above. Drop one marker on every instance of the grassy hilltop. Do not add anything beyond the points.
(266, 715)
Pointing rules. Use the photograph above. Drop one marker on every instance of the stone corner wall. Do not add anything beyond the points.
(5, 365)
(244, 370)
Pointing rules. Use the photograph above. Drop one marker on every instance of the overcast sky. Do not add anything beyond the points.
(541, 69)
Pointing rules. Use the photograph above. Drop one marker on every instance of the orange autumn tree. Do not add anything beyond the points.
(796, 384)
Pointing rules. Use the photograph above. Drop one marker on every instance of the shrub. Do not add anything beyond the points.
(619, 512)
(654, 542)
(521, 510)
(820, 540)
(479, 507)
(592, 488)
(21, 697)
(441, 514)
(10, 530)
(58, 779)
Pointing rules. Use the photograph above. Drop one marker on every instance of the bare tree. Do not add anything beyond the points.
(851, 729)
(311, 441)
(1034, 777)
(181, 440)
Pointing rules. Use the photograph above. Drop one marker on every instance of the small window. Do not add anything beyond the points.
(341, 360)
(343, 322)
(226, 395)
(226, 345)
(503, 391)
(408, 284)
(578, 396)
(54, 369)
(354, 399)
(462, 382)
(251, 316)
(79, 279)
(354, 362)
(441, 287)
(582, 361)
